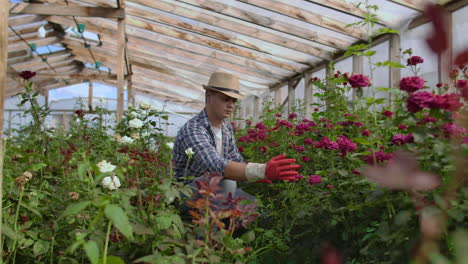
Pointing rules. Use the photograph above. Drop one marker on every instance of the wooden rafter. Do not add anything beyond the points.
(265, 21)
(164, 44)
(234, 25)
(225, 36)
(417, 5)
(38, 42)
(347, 8)
(309, 17)
(63, 10)
(24, 20)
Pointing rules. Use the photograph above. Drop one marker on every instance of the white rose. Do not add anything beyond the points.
(189, 152)
(126, 140)
(135, 123)
(145, 134)
(170, 145)
(133, 114)
(105, 166)
(111, 182)
(145, 106)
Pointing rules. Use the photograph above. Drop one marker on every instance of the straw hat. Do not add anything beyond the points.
(225, 83)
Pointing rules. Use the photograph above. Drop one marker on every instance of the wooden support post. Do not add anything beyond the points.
(358, 68)
(4, 12)
(278, 97)
(445, 61)
(394, 56)
(90, 95)
(291, 95)
(308, 94)
(46, 97)
(120, 64)
(64, 121)
(130, 93)
(256, 108)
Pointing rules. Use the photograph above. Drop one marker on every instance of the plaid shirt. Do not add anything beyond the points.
(197, 134)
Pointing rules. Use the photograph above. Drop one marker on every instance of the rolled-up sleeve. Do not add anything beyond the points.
(206, 157)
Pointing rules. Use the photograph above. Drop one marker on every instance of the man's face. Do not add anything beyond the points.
(221, 104)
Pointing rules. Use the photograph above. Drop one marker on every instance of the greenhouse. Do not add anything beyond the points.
(234, 131)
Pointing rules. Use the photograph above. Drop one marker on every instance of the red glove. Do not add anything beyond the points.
(279, 168)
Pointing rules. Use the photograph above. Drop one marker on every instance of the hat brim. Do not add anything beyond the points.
(230, 94)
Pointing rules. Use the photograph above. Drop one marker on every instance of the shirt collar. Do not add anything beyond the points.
(203, 117)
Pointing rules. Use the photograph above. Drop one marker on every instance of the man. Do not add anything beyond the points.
(210, 136)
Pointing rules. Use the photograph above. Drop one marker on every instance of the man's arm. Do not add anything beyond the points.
(235, 171)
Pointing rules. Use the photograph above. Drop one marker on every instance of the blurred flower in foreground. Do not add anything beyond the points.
(402, 173)
(111, 182)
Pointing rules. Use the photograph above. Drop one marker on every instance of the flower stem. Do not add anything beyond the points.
(106, 245)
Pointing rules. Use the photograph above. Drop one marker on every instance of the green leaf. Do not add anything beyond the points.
(141, 229)
(248, 237)
(369, 53)
(98, 64)
(165, 117)
(112, 260)
(119, 219)
(75, 208)
(92, 251)
(460, 239)
(40, 247)
(164, 221)
(9, 232)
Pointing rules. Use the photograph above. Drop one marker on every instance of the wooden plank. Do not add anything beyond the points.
(394, 56)
(121, 63)
(208, 42)
(347, 8)
(336, 58)
(23, 20)
(201, 62)
(235, 25)
(417, 5)
(278, 96)
(130, 92)
(66, 10)
(445, 59)
(264, 21)
(163, 44)
(37, 41)
(308, 94)
(3, 79)
(358, 68)
(451, 6)
(309, 17)
(90, 94)
(232, 38)
(28, 28)
(34, 61)
(291, 95)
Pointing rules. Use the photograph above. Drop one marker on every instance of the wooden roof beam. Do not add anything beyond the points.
(449, 7)
(417, 5)
(24, 20)
(39, 43)
(346, 8)
(338, 57)
(163, 44)
(309, 17)
(225, 36)
(267, 22)
(65, 10)
(231, 24)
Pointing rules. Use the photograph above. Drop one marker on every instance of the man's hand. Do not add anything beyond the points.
(280, 168)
